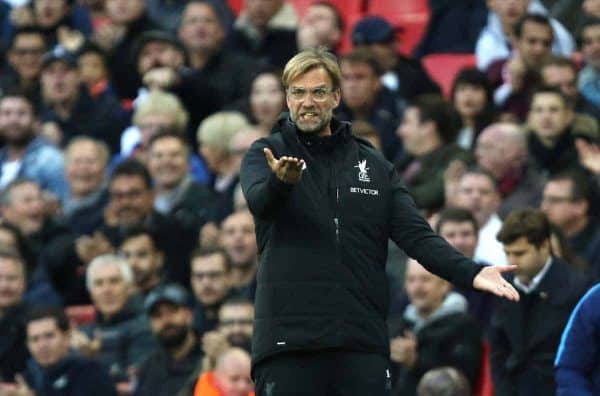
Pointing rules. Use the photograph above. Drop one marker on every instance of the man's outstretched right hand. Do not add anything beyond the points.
(287, 169)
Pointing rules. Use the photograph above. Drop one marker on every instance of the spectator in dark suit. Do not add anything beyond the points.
(435, 331)
(524, 336)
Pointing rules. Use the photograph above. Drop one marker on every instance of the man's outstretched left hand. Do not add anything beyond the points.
(490, 279)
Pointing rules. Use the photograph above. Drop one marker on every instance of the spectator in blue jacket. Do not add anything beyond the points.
(577, 361)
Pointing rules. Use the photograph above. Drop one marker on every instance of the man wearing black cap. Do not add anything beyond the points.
(161, 64)
(166, 371)
(403, 75)
(68, 106)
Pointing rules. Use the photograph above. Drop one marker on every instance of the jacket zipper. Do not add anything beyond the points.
(336, 220)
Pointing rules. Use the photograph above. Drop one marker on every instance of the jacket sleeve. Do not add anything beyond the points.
(412, 234)
(578, 350)
(264, 192)
(141, 343)
(499, 352)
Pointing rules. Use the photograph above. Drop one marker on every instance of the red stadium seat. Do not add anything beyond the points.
(81, 314)
(485, 386)
(388, 7)
(236, 6)
(443, 68)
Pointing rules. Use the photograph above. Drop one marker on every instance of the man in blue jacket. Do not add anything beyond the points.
(324, 211)
(577, 361)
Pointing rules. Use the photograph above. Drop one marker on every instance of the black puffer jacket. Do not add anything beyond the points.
(323, 243)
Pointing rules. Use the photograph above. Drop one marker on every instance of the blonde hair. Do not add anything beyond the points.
(310, 59)
(217, 130)
(159, 102)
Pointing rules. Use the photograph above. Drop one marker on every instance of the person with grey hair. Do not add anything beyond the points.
(120, 337)
(86, 160)
(444, 381)
(215, 136)
(501, 149)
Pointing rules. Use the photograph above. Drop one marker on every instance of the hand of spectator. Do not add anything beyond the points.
(516, 71)
(287, 169)
(52, 132)
(404, 349)
(490, 279)
(82, 343)
(18, 388)
(589, 155)
(160, 78)
(209, 235)
(125, 388)
(107, 36)
(456, 169)
(71, 39)
(214, 343)
(90, 247)
(22, 16)
(110, 215)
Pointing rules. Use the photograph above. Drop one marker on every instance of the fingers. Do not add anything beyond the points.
(506, 268)
(270, 158)
(507, 291)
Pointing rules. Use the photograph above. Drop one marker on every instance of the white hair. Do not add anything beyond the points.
(106, 260)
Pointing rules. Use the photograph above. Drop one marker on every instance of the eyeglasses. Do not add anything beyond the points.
(319, 94)
(239, 322)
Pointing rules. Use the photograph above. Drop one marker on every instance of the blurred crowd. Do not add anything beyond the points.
(128, 255)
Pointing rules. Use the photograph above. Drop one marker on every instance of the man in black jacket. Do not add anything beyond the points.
(322, 297)
(524, 337)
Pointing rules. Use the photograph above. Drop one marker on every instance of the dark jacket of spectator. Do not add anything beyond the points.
(13, 351)
(102, 118)
(413, 78)
(160, 375)
(87, 215)
(453, 27)
(521, 190)
(524, 336)
(385, 116)
(449, 337)
(73, 376)
(126, 340)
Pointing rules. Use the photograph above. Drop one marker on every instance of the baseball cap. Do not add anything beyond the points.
(160, 36)
(170, 293)
(372, 30)
(59, 54)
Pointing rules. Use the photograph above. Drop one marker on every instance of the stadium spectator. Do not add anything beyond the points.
(428, 131)
(70, 109)
(496, 39)
(161, 64)
(266, 30)
(459, 228)
(142, 252)
(120, 337)
(401, 74)
(590, 49)
(24, 63)
(13, 351)
(477, 192)
(443, 381)
(516, 76)
(86, 160)
(238, 239)
(435, 331)
(569, 201)
(25, 154)
(561, 73)
(524, 337)
(231, 376)
(210, 272)
(166, 371)
(554, 129)
(501, 149)
(62, 373)
(176, 195)
(321, 25)
(364, 97)
(203, 31)
(472, 98)
(214, 138)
